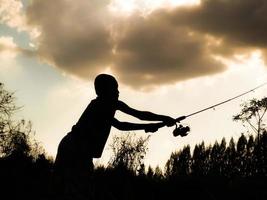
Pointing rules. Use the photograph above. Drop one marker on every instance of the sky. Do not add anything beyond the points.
(170, 57)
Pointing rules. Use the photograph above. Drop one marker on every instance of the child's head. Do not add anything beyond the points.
(106, 87)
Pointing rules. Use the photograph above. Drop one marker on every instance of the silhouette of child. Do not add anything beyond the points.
(89, 135)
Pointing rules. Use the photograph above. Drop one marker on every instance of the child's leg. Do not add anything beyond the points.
(75, 183)
(73, 169)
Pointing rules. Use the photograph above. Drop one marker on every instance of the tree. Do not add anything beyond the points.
(150, 172)
(16, 137)
(250, 156)
(199, 160)
(129, 152)
(158, 175)
(7, 108)
(216, 158)
(230, 159)
(253, 113)
(179, 163)
(241, 149)
(260, 155)
(7, 104)
(263, 144)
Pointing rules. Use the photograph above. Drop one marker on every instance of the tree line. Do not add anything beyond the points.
(245, 158)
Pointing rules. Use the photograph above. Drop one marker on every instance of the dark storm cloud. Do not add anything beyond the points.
(151, 51)
(74, 34)
(166, 46)
(241, 23)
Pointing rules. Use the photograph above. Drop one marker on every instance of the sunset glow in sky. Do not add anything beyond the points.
(171, 57)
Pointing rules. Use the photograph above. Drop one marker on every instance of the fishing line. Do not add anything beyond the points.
(183, 131)
(218, 104)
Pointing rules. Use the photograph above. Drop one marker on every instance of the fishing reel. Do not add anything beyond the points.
(181, 130)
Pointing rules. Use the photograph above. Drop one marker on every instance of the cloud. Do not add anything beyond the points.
(11, 14)
(8, 64)
(151, 51)
(240, 23)
(74, 35)
(165, 46)
(7, 48)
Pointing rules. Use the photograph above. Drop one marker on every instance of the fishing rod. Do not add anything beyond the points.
(183, 131)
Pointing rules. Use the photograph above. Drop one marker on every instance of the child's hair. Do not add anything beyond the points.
(104, 83)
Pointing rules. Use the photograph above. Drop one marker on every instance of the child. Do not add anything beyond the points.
(88, 137)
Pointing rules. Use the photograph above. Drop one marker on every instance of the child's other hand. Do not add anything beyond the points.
(152, 128)
(169, 121)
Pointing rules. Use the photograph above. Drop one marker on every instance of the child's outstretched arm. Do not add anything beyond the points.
(145, 115)
(127, 126)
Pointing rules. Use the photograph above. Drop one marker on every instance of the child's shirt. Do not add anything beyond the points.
(94, 125)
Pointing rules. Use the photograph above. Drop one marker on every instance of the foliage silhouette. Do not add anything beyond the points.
(246, 158)
(129, 152)
(16, 136)
(24, 166)
(253, 113)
